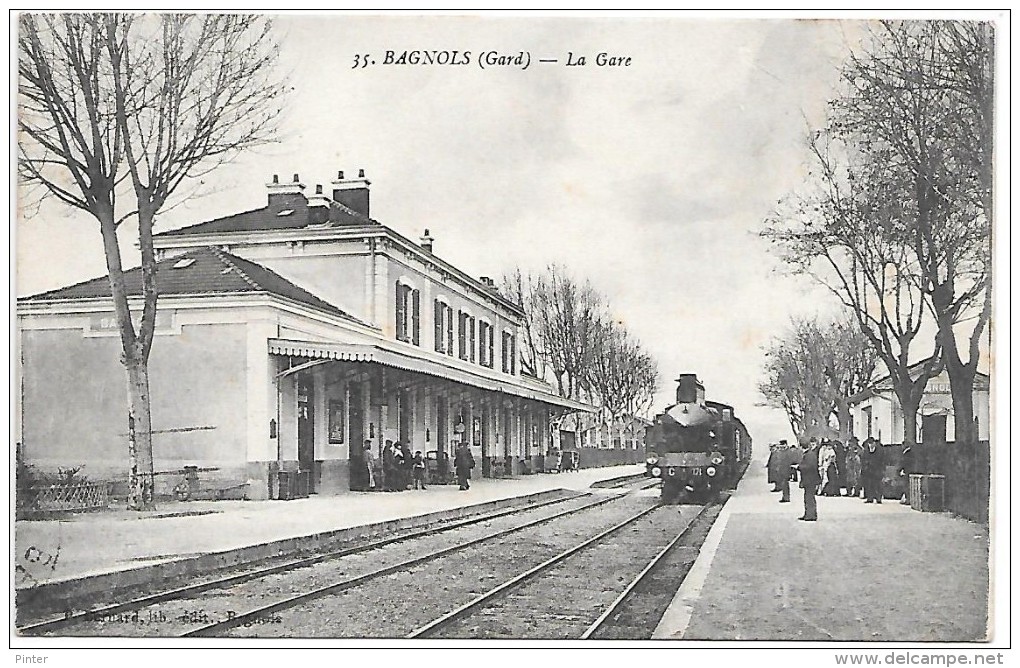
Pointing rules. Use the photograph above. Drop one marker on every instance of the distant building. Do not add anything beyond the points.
(587, 430)
(286, 337)
(876, 412)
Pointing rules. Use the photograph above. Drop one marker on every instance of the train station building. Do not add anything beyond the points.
(876, 412)
(287, 337)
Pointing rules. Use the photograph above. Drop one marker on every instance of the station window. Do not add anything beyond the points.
(444, 327)
(486, 334)
(408, 325)
(465, 336)
(509, 353)
(471, 338)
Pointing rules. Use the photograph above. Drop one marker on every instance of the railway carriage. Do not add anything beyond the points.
(696, 447)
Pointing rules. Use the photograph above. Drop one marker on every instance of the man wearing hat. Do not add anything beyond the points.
(783, 455)
(773, 466)
(809, 481)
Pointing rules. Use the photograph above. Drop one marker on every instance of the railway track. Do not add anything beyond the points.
(565, 597)
(185, 610)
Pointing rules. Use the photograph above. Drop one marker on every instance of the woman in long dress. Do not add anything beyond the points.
(370, 463)
(853, 469)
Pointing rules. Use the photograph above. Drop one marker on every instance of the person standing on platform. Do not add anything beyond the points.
(418, 470)
(406, 464)
(826, 467)
(463, 462)
(370, 464)
(389, 462)
(783, 472)
(840, 464)
(854, 487)
(809, 481)
(871, 471)
(773, 466)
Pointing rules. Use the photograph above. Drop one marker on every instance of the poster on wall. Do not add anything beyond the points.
(336, 421)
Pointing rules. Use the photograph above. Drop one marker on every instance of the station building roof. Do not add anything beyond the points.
(410, 361)
(204, 271)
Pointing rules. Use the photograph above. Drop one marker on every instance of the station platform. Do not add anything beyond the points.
(862, 572)
(93, 544)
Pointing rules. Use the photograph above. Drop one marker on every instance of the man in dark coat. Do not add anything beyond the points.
(809, 480)
(840, 481)
(463, 462)
(871, 471)
(783, 454)
(773, 466)
(389, 462)
(854, 485)
(406, 460)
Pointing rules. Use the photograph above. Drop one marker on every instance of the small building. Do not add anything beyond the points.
(876, 412)
(291, 337)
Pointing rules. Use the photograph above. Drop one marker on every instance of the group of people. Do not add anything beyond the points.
(402, 470)
(829, 468)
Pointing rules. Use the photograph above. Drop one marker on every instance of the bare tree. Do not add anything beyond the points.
(568, 319)
(115, 113)
(849, 364)
(622, 377)
(919, 98)
(850, 233)
(520, 288)
(568, 333)
(795, 378)
(644, 384)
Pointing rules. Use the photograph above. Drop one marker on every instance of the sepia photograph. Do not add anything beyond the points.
(476, 330)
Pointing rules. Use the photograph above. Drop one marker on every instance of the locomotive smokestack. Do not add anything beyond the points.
(690, 390)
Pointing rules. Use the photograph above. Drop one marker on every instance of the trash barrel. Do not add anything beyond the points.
(927, 492)
(286, 482)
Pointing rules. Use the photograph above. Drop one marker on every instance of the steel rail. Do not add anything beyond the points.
(465, 609)
(220, 583)
(337, 587)
(615, 605)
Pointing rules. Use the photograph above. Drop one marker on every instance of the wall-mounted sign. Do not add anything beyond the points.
(107, 322)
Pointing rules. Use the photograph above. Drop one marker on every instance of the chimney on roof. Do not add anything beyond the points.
(426, 240)
(285, 195)
(318, 207)
(489, 283)
(352, 193)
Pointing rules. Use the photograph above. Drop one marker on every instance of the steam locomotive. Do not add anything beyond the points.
(696, 447)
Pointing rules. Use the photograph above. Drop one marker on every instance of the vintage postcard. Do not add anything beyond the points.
(574, 330)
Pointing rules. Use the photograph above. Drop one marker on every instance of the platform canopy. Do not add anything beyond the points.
(368, 353)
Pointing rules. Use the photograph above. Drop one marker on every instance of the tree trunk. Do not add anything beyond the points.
(844, 419)
(961, 386)
(961, 383)
(910, 406)
(140, 495)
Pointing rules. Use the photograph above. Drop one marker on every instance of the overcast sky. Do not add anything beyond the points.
(650, 180)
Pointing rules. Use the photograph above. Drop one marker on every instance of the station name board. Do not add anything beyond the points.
(107, 322)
